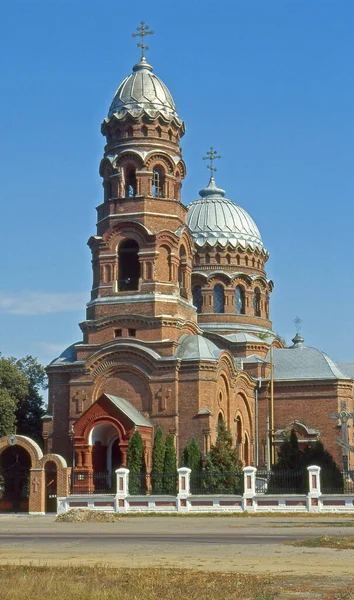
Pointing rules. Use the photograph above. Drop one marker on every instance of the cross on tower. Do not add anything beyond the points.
(143, 31)
(211, 155)
(343, 416)
(297, 323)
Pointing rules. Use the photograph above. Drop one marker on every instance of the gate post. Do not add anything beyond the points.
(249, 490)
(36, 504)
(313, 504)
(122, 489)
(184, 475)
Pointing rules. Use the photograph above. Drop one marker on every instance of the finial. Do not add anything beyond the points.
(143, 31)
(211, 155)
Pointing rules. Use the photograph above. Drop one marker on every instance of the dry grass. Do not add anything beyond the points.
(104, 583)
(338, 543)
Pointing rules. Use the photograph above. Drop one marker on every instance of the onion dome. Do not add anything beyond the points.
(213, 219)
(143, 92)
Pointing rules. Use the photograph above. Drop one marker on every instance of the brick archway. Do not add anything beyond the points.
(36, 500)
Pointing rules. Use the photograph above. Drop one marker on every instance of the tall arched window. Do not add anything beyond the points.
(129, 132)
(228, 259)
(207, 259)
(128, 266)
(197, 298)
(217, 258)
(158, 182)
(257, 302)
(237, 259)
(130, 182)
(107, 190)
(220, 422)
(246, 261)
(144, 130)
(240, 300)
(219, 299)
(158, 131)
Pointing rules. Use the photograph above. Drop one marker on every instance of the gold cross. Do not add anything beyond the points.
(143, 31)
(211, 155)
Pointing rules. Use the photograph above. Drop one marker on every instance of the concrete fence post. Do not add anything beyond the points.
(122, 489)
(249, 488)
(184, 475)
(314, 488)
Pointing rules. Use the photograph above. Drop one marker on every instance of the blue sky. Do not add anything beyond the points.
(269, 84)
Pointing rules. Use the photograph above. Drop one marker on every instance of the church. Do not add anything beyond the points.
(177, 331)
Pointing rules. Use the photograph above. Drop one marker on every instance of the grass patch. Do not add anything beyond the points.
(338, 543)
(106, 583)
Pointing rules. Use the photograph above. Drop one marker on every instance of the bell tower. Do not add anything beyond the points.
(142, 253)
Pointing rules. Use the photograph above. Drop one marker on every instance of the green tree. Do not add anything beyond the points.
(192, 458)
(13, 389)
(158, 458)
(170, 466)
(30, 408)
(136, 464)
(7, 413)
(288, 472)
(223, 471)
(331, 476)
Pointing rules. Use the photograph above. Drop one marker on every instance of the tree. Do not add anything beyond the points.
(30, 409)
(222, 467)
(13, 388)
(169, 466)
(158, 458)
(7, 413)
(136, 464)
(192, 458)
(331, 476)
(288, 472)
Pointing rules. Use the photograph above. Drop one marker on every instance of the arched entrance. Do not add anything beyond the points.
(106, 455)
(51, 486)
(15, 465)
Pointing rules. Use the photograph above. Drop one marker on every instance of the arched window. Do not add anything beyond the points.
(198, 298)
(257, 302)
(228, 259)
(170, 135)
(197, 259)
(158, 182)
(240, 300)
(207, 259)
(217, 258)
(253, 262)
(220, 422)
(246, 261)
(107, 190)
(129, 132)
(130, 182)
(158, 131)
(144, 130)
(128, 266)
(237, 259)
(219, 299)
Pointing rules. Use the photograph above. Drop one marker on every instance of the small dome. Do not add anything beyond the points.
(141, 92)
(213, 219)
(197, 347)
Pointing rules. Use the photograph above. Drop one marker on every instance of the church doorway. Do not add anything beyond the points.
(106, 456)
(15, 464)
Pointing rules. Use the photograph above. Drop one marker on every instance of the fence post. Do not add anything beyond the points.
(122, 489)
(249, 488)
(314, 488)
(184, 475)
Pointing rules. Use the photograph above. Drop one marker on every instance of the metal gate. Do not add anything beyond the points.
(51, 478)
(14, 488)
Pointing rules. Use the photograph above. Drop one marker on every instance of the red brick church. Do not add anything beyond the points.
(178, 331)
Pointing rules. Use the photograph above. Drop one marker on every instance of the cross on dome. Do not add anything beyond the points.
(211, 155)
(143, 31)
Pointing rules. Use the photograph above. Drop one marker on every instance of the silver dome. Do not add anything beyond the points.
(213, 219)
(142, 91)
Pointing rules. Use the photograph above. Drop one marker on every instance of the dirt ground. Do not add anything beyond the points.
(247, 545)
